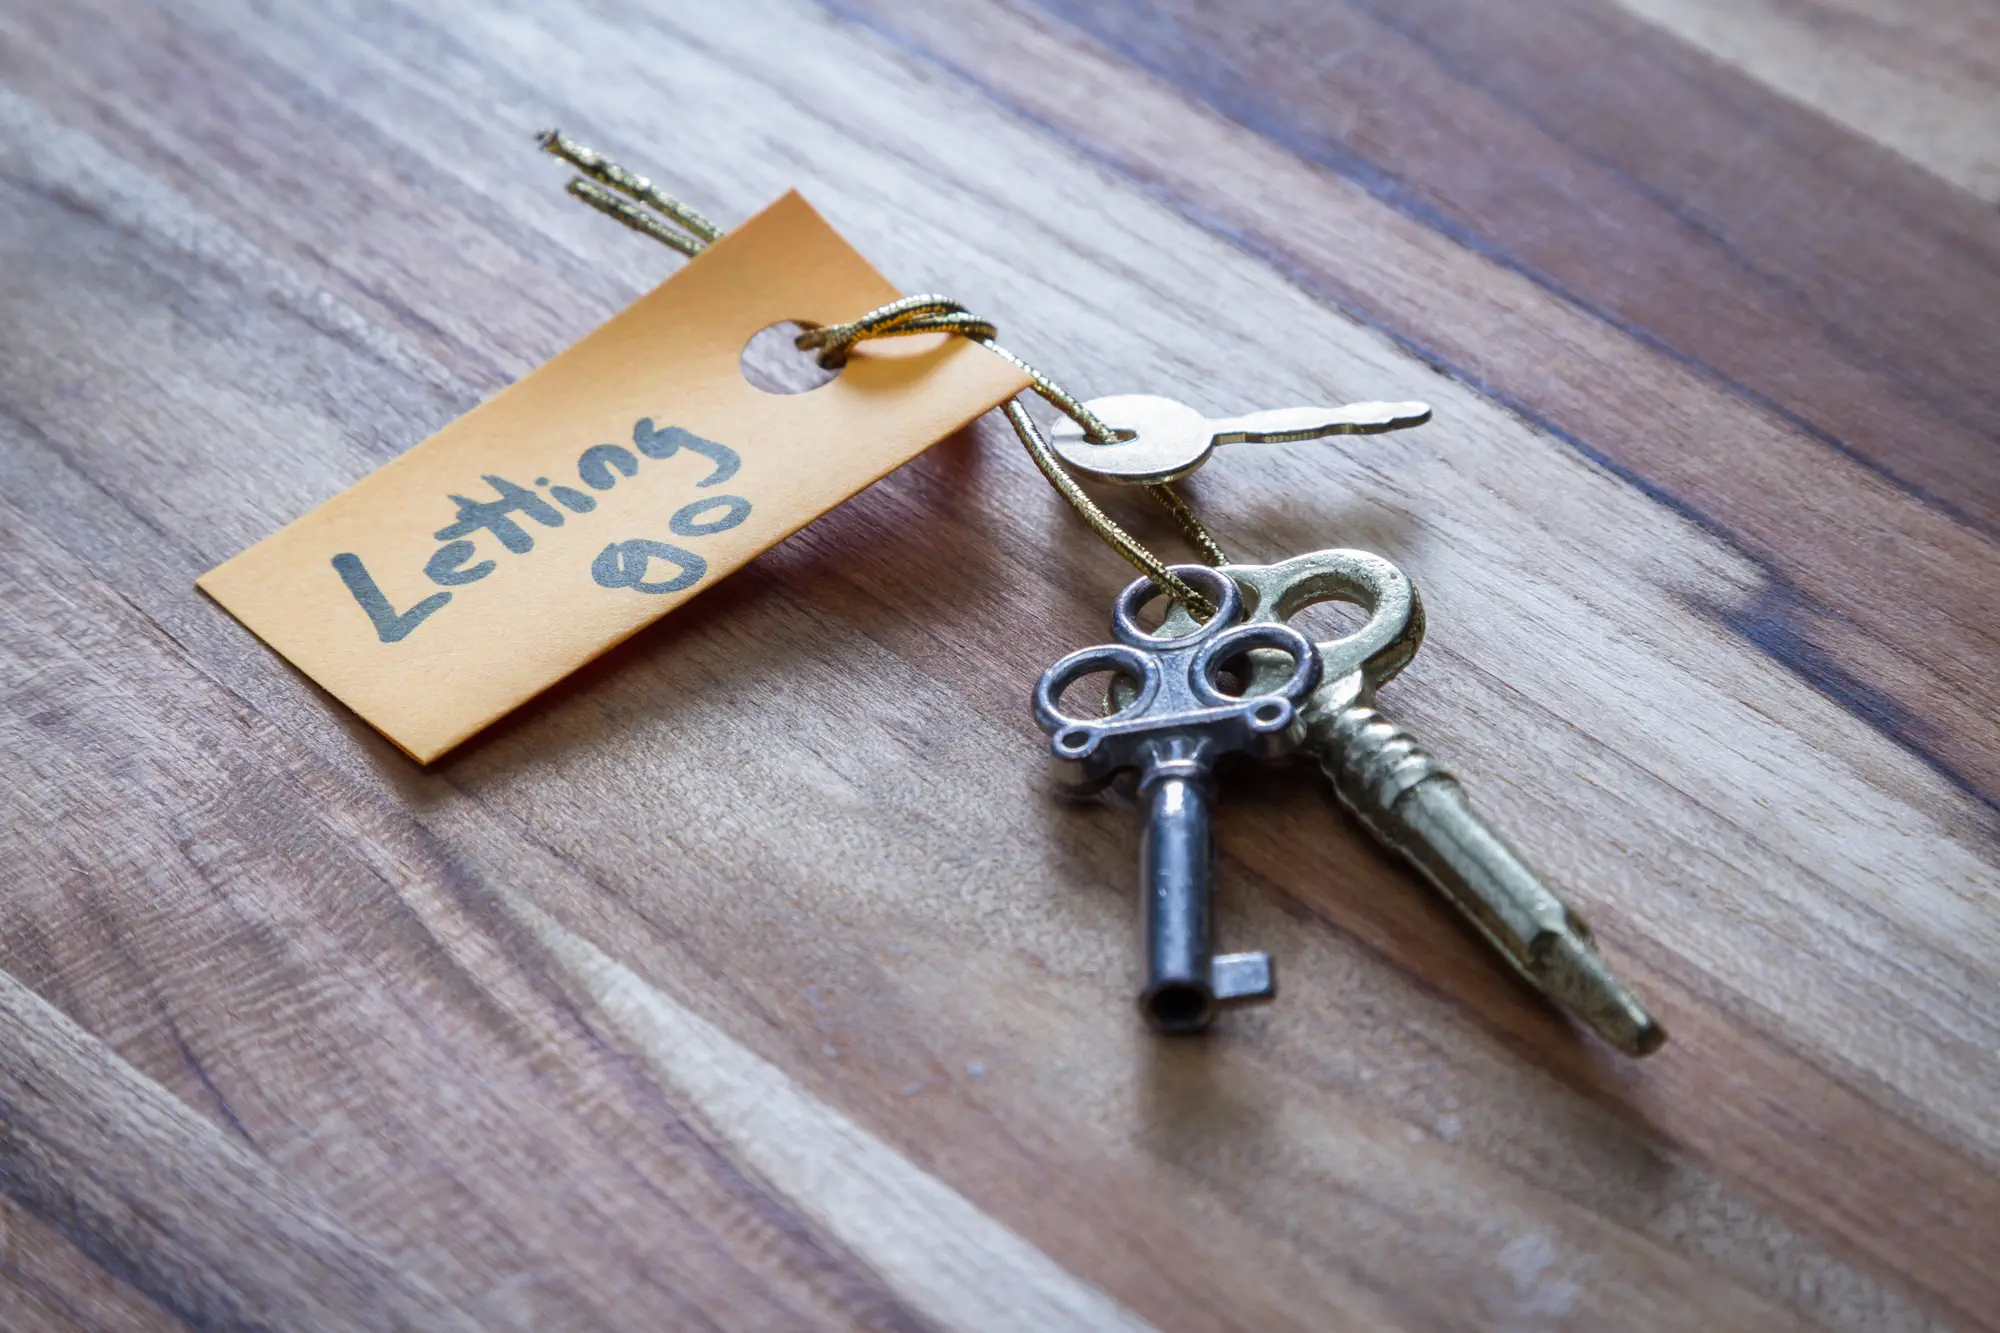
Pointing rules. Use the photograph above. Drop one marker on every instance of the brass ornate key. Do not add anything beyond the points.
(1408, 800)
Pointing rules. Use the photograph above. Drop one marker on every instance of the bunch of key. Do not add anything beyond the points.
(1171, 720)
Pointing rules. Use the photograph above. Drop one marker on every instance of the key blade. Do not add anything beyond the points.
(1574, 973)
(1285, 424)
(1435, 826)
(1243, 978)
(1409, 802)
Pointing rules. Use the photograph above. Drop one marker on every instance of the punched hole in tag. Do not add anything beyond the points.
(773, 363)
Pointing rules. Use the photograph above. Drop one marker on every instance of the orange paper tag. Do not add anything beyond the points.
(600, 492)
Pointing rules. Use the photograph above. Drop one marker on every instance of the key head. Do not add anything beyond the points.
(1175, 718)
(1159, 440)
(1353, 665)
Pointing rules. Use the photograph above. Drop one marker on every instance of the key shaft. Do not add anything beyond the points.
(1186, 981)
(1412, 804)
(1176, 878)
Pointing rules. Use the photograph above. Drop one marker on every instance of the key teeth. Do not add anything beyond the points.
(1243, 978)
(1572, 970)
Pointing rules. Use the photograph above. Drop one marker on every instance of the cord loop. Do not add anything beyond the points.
(674, 224)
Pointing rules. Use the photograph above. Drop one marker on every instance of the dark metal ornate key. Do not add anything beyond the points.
(1174, 724)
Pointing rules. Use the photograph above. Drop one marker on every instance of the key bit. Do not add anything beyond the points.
(1172, 723)
(1410, 801)
(1162, 440)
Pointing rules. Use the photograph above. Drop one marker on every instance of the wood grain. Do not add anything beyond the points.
(751, 979)
(211, 1231)
(1916, 75)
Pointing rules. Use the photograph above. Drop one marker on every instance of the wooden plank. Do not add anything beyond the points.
(1870, 621)
(498, 1018)
(382, 1085)
(212, 1234)
(48, 1285)
(490, 1080)
(1916, 75)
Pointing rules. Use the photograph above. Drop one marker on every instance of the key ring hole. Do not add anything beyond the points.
(1341, 604)
(1233, 675)
(1152, 613)
(1393, 617)
(772, 363)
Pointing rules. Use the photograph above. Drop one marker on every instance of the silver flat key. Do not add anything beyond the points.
(1162, 440)
(1409, 801)
(1174, 723)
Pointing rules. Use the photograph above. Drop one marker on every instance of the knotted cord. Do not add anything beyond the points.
(647, 209)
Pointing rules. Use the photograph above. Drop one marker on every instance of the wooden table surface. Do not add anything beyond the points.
(752, 978)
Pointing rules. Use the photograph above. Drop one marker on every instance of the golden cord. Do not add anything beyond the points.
(674, 224)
